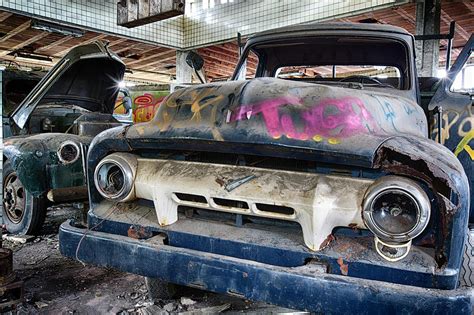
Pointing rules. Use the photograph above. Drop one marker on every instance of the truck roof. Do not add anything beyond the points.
(335, 26)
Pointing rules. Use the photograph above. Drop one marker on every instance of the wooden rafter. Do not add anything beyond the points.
(165, 57)
(118, 41)
(4, 16)
(459, 29)
(85, 42)
(157, 56)
(17, 30)
(56, 43)
(407, 16)
(25, 43)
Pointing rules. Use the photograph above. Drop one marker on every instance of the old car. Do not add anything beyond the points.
(313, 185)
(51, 130)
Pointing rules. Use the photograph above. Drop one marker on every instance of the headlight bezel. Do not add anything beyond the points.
(60, 153)
(397, 184)
(127, 165)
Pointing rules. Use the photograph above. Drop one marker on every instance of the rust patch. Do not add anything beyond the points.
(353, 226)
(327, 241)
(139, 232)
(344, 267)
(220, 181)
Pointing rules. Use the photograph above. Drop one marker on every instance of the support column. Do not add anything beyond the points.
(427, 23)
(184, 73)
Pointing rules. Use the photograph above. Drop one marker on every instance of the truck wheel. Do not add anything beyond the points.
(466, 275)
(22, 213)
(161, 290)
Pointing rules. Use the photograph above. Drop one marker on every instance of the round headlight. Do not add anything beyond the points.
(396, 209)
(68, 152)
(114, 176)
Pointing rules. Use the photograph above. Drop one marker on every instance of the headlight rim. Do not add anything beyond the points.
(408, 187)
(128, 170)
(61, 147)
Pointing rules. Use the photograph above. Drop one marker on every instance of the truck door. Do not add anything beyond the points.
(453, 101)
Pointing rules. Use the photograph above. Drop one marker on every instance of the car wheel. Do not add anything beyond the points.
(22, 213)
(466, 275)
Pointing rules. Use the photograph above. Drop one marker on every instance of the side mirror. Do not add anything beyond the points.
(194, 60)
(127, 103)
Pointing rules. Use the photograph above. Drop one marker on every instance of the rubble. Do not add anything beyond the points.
(21, 239)
(55, 284)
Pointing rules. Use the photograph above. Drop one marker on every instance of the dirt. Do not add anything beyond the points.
(58, 285)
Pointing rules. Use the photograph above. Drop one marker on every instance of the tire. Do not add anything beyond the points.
(466, 275)
(22, 213)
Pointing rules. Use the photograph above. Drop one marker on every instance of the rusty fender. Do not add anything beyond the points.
(436, 166)
(36, 163)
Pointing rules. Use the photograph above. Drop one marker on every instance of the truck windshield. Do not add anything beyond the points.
(378, 62)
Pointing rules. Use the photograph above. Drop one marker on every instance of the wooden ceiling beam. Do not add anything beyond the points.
(4, 16)
(25, 43)
(158, 58)
(17, 30)
(459, 29)
(407, 16)
(118, 41)
(84, 42)
(56, 43)
(162, 52)
(220, 50)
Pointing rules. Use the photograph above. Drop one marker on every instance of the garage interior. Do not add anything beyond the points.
(35, 35)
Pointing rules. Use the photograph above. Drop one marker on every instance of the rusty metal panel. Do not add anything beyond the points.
(132, 13)
(317, 202)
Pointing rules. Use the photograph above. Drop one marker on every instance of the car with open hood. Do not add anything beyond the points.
(44, 159)
(312, 184)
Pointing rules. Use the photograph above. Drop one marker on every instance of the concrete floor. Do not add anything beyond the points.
(58, 285)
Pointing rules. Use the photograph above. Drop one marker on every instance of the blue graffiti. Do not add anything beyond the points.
(408, 109)
(389, 114)
(388, 111)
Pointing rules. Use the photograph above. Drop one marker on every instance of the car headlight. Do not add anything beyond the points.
(396, 210)
(68, 152)
(114, 176)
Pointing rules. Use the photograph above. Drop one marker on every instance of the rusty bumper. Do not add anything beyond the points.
(306, 288)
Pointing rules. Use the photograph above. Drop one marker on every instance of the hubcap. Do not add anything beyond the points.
(14, 198)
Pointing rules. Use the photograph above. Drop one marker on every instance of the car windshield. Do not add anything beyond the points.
(375, 62)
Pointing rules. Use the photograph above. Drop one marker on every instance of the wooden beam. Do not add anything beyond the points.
(25, 43)
(4, 16)
(138, 52)
(118, 41)
(58, 42)
(17, 30)
(153, 56)
(407, 16)
(163, 57)
(85, 42)
(459, 29)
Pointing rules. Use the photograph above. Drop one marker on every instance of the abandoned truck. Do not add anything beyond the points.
(320, 192)
(51, 129)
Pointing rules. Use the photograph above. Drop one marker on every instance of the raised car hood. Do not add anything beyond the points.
(341, 125)
(87, 76)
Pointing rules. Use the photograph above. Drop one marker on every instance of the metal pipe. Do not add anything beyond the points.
(452, 28)
(440, 123)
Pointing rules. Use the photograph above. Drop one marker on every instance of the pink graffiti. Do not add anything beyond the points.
(330, 118)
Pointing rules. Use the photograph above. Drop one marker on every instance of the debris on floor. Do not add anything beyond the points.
(58, 285)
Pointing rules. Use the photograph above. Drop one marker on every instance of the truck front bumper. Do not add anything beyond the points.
(305, 288)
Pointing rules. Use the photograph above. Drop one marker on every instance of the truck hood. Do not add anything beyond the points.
(86, 76)
(335, 124)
